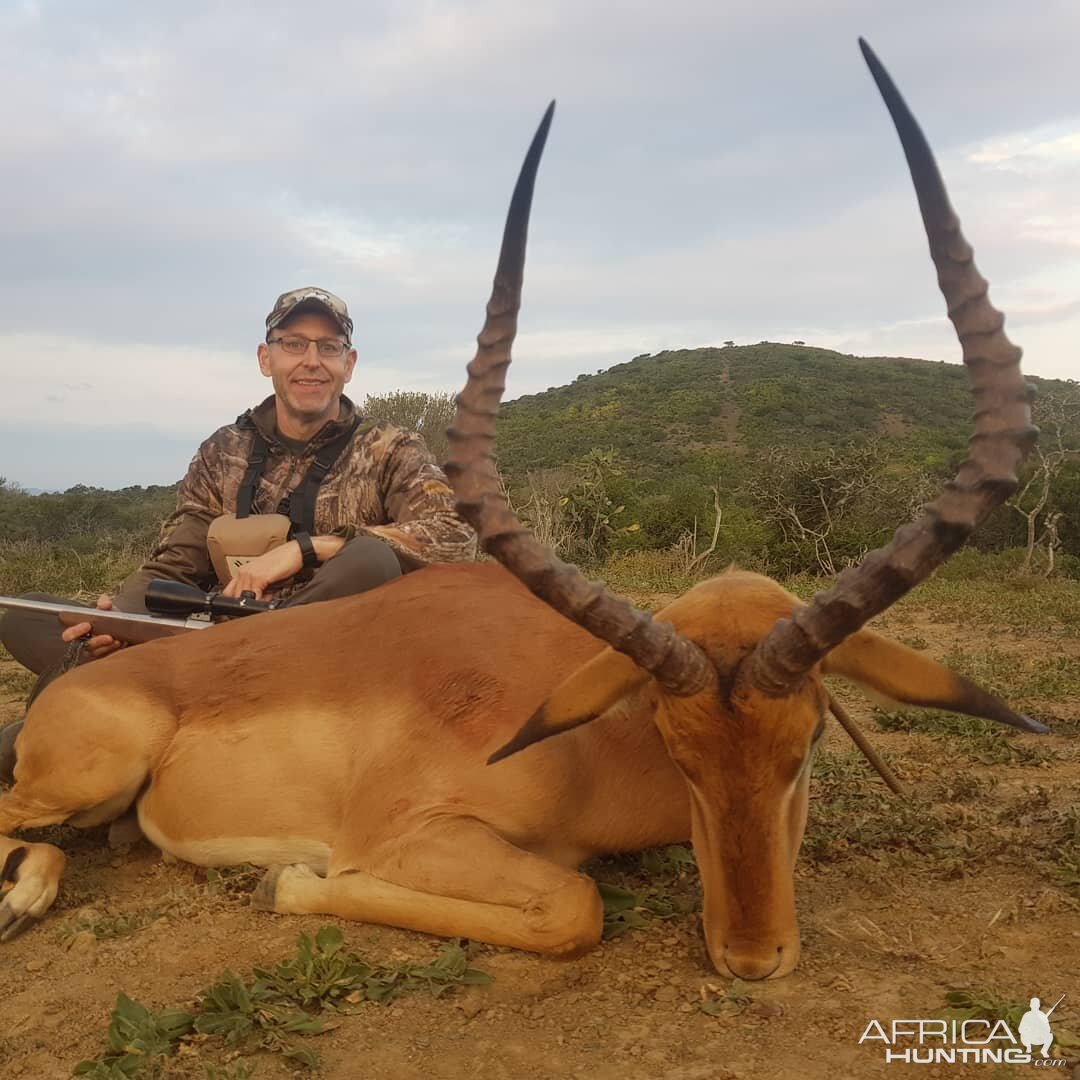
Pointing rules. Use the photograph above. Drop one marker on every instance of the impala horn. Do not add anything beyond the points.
(1003, 437)
(676, 662)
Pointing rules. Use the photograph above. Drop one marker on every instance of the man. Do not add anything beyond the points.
(300, 500)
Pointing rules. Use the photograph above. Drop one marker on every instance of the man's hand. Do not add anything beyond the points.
(278, 564)
(259, 574)
(101, 644)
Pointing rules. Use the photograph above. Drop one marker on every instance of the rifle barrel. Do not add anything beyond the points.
(123, 626)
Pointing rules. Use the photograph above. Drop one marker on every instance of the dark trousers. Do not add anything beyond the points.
(33, 637)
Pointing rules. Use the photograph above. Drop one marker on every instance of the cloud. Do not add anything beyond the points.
(713, 173)
(1031, 153)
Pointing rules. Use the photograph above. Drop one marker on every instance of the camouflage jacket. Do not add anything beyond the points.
(385, 483)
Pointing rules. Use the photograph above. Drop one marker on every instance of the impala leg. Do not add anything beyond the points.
(125, 829)
(29, 873)
(452, 878)
(33, 873)
(57, 779)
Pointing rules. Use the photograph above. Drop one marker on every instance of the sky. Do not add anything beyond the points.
(716, 171)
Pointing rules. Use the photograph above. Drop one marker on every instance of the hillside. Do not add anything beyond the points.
(815, 456)
(659, 410)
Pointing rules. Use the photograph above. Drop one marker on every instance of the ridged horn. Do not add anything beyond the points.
(1003, 437)
(677, 663)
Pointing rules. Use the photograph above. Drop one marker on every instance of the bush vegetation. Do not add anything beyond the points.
(783, 458)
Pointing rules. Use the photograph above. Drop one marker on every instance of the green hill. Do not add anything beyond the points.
(671, 425)
(814, 456)
(660, 410)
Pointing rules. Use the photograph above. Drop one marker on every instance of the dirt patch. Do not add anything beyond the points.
(982, 900)
(893, 425)
(727, 425)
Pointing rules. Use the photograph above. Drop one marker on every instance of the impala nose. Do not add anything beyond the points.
(752, 964)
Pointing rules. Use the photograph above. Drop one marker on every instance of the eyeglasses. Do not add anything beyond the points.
(328, 348)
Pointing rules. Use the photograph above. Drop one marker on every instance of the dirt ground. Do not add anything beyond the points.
(965, 888)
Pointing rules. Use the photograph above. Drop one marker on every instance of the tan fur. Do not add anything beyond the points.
(349, 739)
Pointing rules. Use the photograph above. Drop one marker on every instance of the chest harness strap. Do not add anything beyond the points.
(299, 504)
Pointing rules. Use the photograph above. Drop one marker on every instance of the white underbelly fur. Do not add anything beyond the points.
(234, 850)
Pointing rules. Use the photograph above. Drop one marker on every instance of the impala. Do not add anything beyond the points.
(345, 745)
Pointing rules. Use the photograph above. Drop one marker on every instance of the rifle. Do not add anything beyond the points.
(175, 608)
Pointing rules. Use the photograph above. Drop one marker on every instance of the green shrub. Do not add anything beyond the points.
(637, 572)
(77, 571)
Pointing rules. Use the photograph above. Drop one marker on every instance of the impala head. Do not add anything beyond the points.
(734, 665)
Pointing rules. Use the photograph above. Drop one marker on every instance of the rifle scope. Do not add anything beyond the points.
(177, 600)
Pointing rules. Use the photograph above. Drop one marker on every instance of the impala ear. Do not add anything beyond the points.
(582, 697)
(904, 675)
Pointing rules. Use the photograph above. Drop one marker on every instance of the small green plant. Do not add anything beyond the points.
(247, 1017)
(322, 973)
(668, 863)
(219, 885)
(110, 926)
(660, 883)
(233, 880)
(717, 1000)
(632, 909)
(138, 1040)
(984, 1004)
(981, 1004)
(269, 1010)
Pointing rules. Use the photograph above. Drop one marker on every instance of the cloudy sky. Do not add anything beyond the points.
(716, 170)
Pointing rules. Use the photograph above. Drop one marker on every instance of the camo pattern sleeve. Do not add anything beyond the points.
(181, 552)
(423, 526)
(385, 483)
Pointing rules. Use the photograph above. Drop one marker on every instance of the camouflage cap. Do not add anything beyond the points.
(311, 295)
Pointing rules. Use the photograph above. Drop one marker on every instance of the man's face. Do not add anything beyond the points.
(308, 386)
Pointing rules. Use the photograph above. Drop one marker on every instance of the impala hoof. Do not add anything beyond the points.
(16, 926)
(262, 899)
(33, 873)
